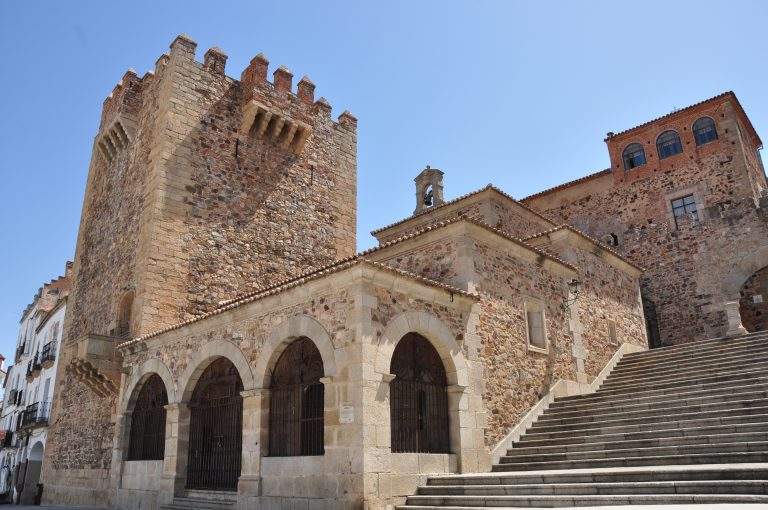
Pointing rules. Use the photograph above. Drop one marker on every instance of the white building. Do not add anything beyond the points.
(28, 391)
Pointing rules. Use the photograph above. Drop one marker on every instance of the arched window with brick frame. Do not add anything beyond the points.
(633, 156)
(704, 130)
(668, 144)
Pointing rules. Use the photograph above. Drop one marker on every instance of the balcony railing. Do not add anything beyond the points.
(20, 351)
(12, 396)
(35, 414)
(34, 367)
(48, 354)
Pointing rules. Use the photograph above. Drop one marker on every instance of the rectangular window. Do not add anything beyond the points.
(612, 336)
(537, 335)
(685, 207)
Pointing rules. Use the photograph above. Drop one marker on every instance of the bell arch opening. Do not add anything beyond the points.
(216, 428)
(418, 398)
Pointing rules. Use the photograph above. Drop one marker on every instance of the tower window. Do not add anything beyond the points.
(668, 144)
(634, 156)
(704, 130)
(685, 206)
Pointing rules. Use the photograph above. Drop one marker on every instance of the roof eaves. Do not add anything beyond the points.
(289, 284)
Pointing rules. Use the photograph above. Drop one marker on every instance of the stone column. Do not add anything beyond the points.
(176, 451)
(249, 483)
(461, 428)
(120, 444)
(735, 327)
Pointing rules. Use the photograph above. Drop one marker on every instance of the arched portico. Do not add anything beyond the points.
(286, 332)
(456, 368)
(207, 355)
(138, 376)
(434, 330)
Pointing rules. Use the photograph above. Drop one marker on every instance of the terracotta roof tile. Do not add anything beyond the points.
(590, 238)
(295, 282)
(488, 187)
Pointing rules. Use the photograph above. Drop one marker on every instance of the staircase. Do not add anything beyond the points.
(203, 500)
(678, 425)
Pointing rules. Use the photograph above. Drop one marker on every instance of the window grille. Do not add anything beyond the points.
(147, 438)
(418, 398)
(297, 402)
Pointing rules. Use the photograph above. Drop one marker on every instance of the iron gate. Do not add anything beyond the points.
(216, 429)
(297, 402)
(418, 398)
(147, 439)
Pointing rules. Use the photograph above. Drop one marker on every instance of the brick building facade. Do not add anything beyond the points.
(224, 341)
(695, 261)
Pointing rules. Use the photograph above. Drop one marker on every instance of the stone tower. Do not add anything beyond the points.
(200, 187)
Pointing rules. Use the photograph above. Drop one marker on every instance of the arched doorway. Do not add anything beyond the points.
(30, 492)
(753, 301)
(418, 398)
(297, 402)
(216, 429)
(147, 438)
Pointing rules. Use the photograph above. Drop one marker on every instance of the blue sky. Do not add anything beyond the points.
(520, 94)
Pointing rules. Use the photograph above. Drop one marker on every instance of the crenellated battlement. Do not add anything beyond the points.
(126, 97)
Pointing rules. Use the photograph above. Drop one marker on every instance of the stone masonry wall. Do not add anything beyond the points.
(607, 293)
(195, 209)
(688, 265)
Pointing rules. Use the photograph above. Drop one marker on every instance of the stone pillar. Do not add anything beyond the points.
(461, 428)
(735, 327)
(120, 444)
(176, 451)
(249, 483)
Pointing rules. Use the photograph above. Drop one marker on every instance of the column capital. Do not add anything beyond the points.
(387, 378)
(254, 392)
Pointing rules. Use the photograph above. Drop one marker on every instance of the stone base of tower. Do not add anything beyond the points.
(81, 487)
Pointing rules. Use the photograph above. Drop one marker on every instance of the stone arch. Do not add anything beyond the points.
(204, 357)
(141, 374)
(434, 330)
(741, 270)
(290, 329)
(36, 452)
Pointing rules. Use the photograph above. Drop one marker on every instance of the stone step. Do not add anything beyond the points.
(600, 429)
(725, 395)
(623, 368)
(675, 371)
(686, 381)
(681, 418)
(699, 347)
(734, 380)
(716, 439)
(529, 440)
(652, 396)
(653, 451)
(217, 501)
(609, 414)
(660, 460)
(472, 502)
(606, 488)
(610, 475)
